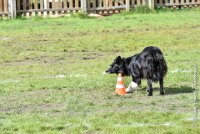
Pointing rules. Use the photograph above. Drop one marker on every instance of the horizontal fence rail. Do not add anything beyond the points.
(62, 7)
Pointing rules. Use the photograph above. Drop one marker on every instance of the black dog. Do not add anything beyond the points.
(149, 64)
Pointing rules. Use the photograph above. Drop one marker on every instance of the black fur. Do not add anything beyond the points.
(149, 64)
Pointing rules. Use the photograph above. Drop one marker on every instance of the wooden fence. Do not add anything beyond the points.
(62, 7)
(4, 8)
(178, 3)
(55, 7)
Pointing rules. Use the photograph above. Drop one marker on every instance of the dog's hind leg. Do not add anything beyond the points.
(149, 87)
(161, 86)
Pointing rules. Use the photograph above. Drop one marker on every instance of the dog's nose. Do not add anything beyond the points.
(108, 71)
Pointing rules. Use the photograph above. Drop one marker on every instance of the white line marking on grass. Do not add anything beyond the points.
(78, 75)
(137, 124)
(9, 81)
(61, 76)
(191, 119)
(5, 38)
(69, 124)
(181, 71)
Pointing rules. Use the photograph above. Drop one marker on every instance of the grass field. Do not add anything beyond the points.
(52, 80)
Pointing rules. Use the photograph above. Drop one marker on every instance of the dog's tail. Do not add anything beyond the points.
(162, 65)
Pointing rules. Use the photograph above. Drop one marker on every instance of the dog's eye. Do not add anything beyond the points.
(116, 66)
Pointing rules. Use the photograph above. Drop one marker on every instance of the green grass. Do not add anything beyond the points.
(51, 78)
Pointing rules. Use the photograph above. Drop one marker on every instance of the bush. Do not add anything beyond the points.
(163, 9)
(142, 9)
(80, 15)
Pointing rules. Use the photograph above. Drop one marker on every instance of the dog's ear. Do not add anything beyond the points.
(123, 60)
(118, 59)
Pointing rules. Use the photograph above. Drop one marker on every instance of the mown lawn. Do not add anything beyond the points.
(52, 80)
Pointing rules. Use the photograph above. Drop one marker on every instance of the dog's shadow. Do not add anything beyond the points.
(178, 90)
(175, 90)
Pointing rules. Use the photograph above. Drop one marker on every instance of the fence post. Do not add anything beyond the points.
(127, 5)
(12, 8)
(151, 4)
(45, 7)
(84, 6)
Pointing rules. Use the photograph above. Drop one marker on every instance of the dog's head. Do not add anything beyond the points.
(117, 66)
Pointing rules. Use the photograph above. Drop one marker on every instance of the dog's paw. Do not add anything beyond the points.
(150, 94)
(162, 93)
(129, 90)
